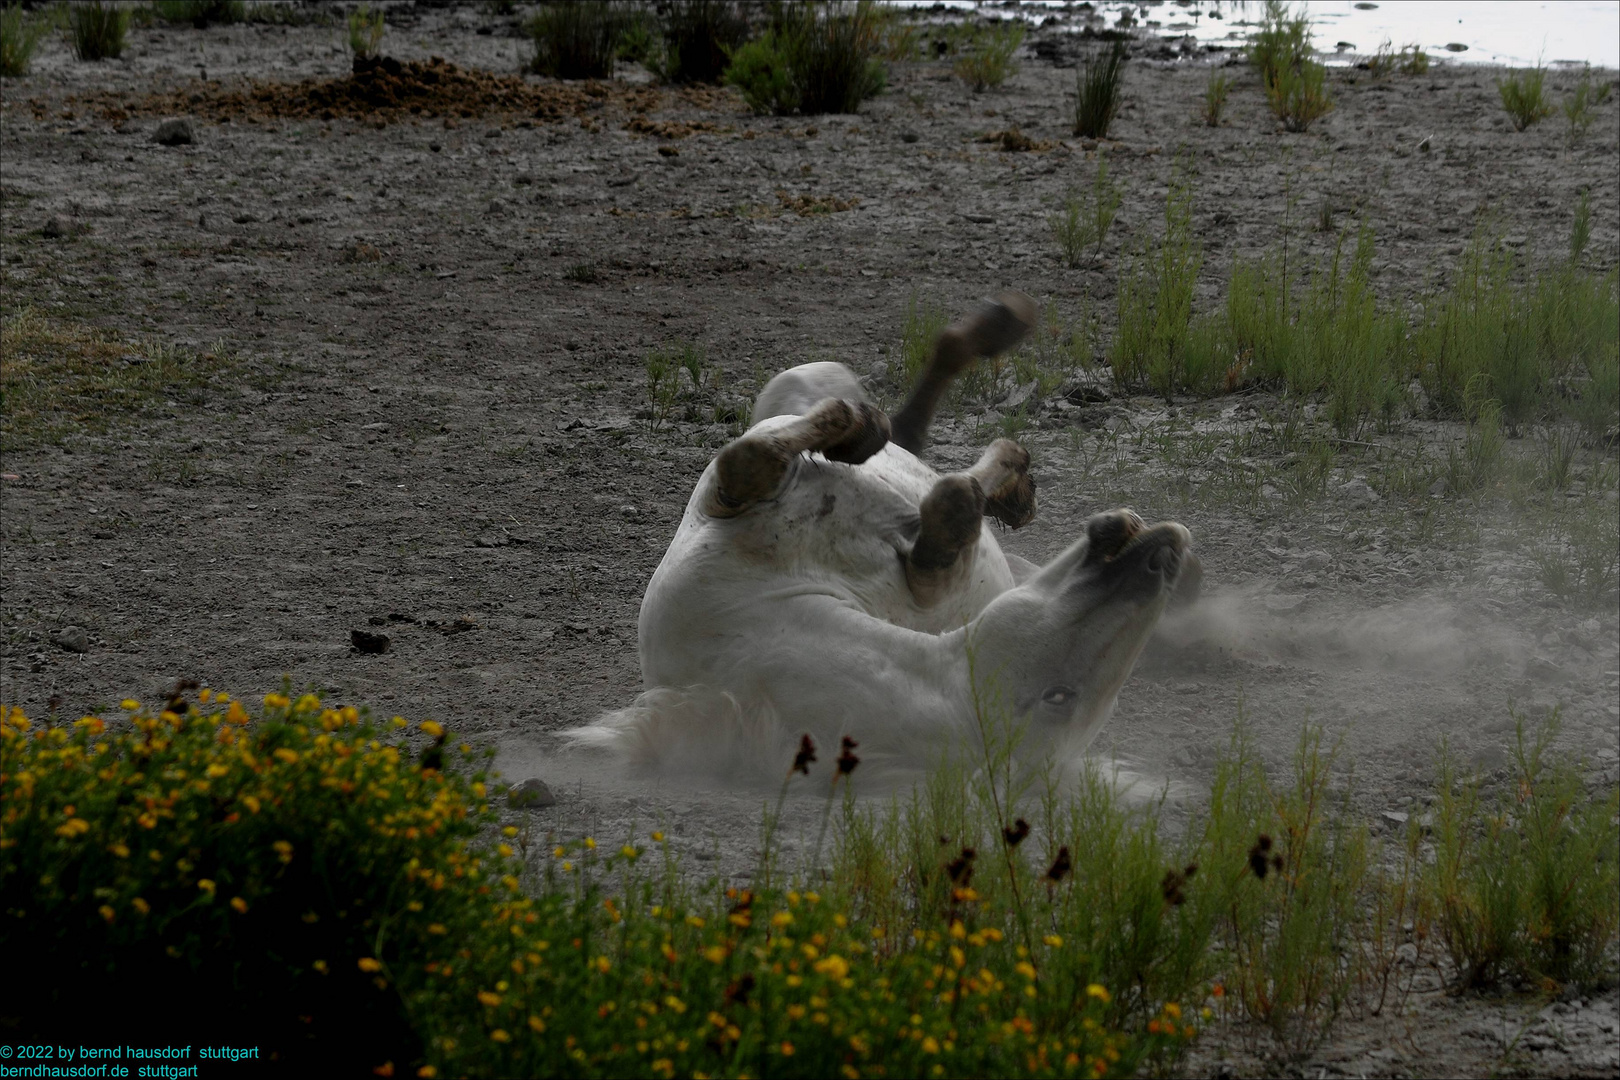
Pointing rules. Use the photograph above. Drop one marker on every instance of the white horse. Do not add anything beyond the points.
(826, 581)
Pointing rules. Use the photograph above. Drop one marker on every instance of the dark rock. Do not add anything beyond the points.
(530, 795)
(176, 131)
(72, 638)
(367, 641)
(56, 228)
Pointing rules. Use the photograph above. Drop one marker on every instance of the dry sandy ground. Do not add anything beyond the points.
(437, 334)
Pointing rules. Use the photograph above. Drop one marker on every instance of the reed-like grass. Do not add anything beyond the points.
(98, 29)
(1098, 91)
(19, 37)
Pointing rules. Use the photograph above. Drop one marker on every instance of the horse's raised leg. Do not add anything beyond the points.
(752, 467)
(948, 535)
(996, 326)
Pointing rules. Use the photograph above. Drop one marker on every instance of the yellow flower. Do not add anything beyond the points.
(658, 838)
(716, 954)
(216, 770)
(787, 1048)
(505, 850)
(500, 1035)
(432, 728)
(119, 850)
(436, 928)
(239, 904)
(537, 1025)
(320, 966)
(251, 803)
(275, 701)
(308, 702)
(628, 851)
(284, 850)
(1025, 968)
(930, 1045)
(129, 704)
(1172, 1010)
(1054, 941)
(287, 755)
(509, 832)
(140, 905)
(958, 931)
(590, 842)
(369, 964)
(488, 998)
(782, 918)
(833, 965)
(107, 912)
(206, 886)
(427, 1072)
(603, 964)
(1100, 992)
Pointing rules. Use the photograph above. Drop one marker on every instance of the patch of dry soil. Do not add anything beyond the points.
(436, 426)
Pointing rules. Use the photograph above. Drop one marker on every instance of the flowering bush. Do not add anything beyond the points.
(300, 883)
(261, 879)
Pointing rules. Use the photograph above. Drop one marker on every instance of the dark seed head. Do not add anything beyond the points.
(1060, 866)
(1015, 835)
(806, 755)
(846, 758)
(1257, 862)
(960, 869)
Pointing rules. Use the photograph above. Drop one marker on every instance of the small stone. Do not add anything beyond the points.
(1394, 817)
(909, 136)
(490, 540)
(981, 219)
(368, 641)
(435, 147)
(629, 513)
(529, 795)
(55, 229)
(72, 638)
(176, 131)
(1359, 493)
(496, 207)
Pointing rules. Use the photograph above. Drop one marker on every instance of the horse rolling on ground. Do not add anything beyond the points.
(826, 581)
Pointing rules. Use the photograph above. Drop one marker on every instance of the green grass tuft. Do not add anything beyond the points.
(365, 32)
(1524, 97)
(19, 37)
(814, 59)
(576, 40)
(1083, 222)
(98, 30)
(1215, 91)
(989, 59)
(1097, 91)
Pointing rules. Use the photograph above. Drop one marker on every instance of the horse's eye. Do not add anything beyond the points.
(1058, 695)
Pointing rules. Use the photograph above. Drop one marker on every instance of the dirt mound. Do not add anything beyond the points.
(386, 90)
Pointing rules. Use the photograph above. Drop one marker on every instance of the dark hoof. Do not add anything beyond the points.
(1014, 504)
(1000, 323)
(869, 436)
(951, 513)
